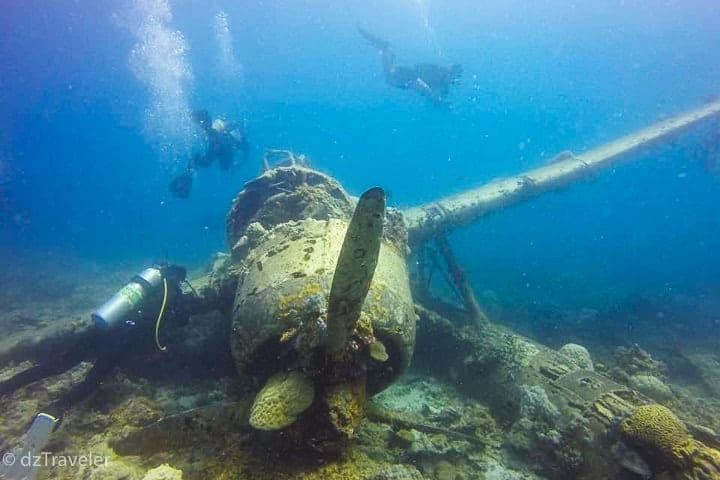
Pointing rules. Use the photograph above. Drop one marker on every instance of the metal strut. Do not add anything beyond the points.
(460, 280)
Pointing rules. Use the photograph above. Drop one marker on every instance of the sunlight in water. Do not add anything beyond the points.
(229, 67)
(159, 60)
(422, 9)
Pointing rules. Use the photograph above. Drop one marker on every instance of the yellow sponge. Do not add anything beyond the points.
(285, 396)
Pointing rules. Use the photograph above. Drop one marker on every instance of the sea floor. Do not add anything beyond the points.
(421, 427)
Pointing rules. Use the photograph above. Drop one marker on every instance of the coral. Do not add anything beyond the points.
(556, 448)
(633, 361)
(651, 386)
(114, 470)
(667, 445)
(657, 432)
(433, 445)
(420, 408)
(164, 472)
(346, 403)
(352, 466)
(378, 352)
(705, 363)
(304, 317)
(445, 470)
(136, 411)
(536, 405)
(577, 355)
(398, 472)
(395, 230)
(364, 328)
(293, 306)
(281, 400)
(283, 194)
(498, 471)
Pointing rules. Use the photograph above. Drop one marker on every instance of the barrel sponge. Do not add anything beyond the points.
(285, 396)
(660, 434)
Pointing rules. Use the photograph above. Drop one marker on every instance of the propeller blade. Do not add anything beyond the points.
(355, 268)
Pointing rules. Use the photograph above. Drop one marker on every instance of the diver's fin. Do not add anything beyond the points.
(376, 42)
(32, 444)
(181, 186)
(355, 268)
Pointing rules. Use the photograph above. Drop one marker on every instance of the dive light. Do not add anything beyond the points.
(128, 298)
(21, 463)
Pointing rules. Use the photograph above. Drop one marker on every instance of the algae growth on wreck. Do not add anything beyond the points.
(359, 240)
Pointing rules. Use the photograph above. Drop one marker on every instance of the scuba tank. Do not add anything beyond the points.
(129, 298)
(132, 296)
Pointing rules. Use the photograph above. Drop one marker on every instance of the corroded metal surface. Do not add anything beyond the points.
(460, 209)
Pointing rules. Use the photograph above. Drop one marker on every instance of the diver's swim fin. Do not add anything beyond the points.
(182, 185)
(376, 42)
(18, 464)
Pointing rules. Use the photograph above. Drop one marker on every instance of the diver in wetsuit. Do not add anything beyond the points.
(122, 334)
(108, 347)
(430, 80)
(224, 140)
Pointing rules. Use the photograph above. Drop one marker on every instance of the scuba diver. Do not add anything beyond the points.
(123, 323)
(127, 323)
(430, 80)
(224, 139)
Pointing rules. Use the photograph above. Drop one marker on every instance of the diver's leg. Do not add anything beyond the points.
(82, 390)
(202, 159)
(387, 58)
(226, 160)
(49, 366)
(33, 374)
(244, 148)
(376, 42)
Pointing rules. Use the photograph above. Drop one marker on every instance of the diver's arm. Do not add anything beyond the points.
(421, 86)
(215, 291)
(217, 295)
(197, 304)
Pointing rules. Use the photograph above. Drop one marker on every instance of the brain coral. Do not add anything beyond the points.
(285, 396)
(660, 435)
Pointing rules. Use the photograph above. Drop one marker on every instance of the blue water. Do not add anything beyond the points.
(85, 173)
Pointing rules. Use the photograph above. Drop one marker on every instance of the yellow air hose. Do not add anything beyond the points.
(160, 315)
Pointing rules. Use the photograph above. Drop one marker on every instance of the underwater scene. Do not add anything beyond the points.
(360, 240)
